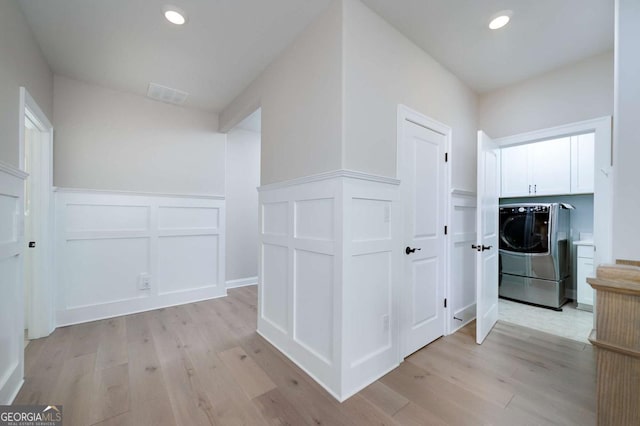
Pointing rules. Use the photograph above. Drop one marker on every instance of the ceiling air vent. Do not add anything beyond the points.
(166, 94)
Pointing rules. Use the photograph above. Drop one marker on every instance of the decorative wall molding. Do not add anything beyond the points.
(335, 174)
(327, 268)
(463, 192)
(11, 283)
(242, 282)
(13, 171)
(109, 243)
(138, 193)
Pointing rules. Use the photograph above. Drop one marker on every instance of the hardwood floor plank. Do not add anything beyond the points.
(246, 372)
(85, 338)
(111, 393)
(75, 389)
(278, 410)
(146, 381)
(414, 415)
(112, 349)
(357, 407)
(41, 378)
(385, 398)
(123, 419)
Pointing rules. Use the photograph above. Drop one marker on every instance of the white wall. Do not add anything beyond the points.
(105, 240)
(242, 181)
(301, 98)
(626, 143)
(576, 92)
(383, 69)
(21, 64)
(106, 139)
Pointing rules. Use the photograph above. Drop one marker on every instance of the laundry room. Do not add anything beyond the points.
(546, 225)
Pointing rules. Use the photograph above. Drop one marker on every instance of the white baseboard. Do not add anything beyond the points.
(242, 282)
(133, 306)
(466, 314)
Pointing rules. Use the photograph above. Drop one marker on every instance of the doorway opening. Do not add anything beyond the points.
(36, 149)
(241, 194)
(554, 226)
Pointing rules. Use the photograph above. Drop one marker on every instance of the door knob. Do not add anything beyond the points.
(486, 247)
(410, 250)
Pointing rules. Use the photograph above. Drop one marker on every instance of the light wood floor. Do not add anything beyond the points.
(203, 363)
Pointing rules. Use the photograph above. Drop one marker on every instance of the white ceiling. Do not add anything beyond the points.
(126, 44)
(542, 35)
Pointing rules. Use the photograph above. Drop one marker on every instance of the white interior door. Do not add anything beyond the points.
(487, 245)
(422, 172)
(37, 225)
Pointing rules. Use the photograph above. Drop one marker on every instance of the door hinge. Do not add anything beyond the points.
(446, 230)
(446, 157)
(445, 303)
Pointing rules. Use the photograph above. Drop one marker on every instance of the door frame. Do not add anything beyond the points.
(41, 312)
(406, 113)
(603, 176)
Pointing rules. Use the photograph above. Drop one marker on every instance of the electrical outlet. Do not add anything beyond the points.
(385, 323)
(144, 281)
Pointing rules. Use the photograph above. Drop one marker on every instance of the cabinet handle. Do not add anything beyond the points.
(535, 188)
(529, 189)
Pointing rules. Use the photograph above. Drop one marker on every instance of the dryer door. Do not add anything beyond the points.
(524, 230)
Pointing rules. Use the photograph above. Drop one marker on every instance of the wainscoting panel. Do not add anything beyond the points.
(11, 285)
(118, 253)
(327, 274)
(104, 270)
(463, 258)
(313, 306)
(372, 273)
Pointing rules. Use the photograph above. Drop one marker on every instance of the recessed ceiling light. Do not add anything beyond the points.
(175, 15)
(500, 19)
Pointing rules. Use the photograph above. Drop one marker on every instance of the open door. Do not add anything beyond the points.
(487, 237)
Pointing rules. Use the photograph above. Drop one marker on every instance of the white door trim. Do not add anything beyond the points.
(42, 303)
(407, 114)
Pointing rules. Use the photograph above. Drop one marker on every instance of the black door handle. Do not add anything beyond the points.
(486, 247)
(410, 250)
(480, 247)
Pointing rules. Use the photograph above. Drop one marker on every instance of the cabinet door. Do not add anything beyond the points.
(515, 171)
(550, 163)
(585, 270)
(582, 163)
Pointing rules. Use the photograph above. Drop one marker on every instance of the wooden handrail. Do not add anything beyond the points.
(617, 342)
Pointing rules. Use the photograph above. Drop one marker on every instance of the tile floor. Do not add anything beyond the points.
(571, 323)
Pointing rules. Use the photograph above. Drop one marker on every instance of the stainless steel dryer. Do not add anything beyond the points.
(534, 253)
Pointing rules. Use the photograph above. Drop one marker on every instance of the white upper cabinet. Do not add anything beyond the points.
(582, 163)
(541, 168)
(515, 171)
(550, 163)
